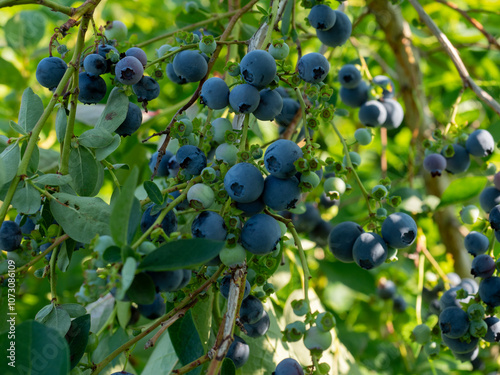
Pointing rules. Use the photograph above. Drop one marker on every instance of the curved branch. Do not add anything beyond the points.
(47, 3)
(452, 52)
(491, 39)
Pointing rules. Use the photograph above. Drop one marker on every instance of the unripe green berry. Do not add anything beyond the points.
(300, 307)
(227, 153)
(207, 44)
(355, 159)
(200, 196)
(116, 30)
(379, 192)
(475, 311)
(146, 247)
(310, 180)
(478, 328)
(233, 256)
(325, 321)
(208, 175)
(279, 49)
(334, 187)
(316, 340)
(421, 334)
(363, 136)
(294, 331)
(469, 214)
(163, 50)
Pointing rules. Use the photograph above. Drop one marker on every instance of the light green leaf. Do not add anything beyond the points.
(11, 158)
(61, 124)
(163, 359)
(462, 189)
(57, 319)
(81, 217)
(73, 309)
(65, 254)
(95, 138)
(32, 339)
(122, 208)
(25, 29)
(83, 169)
(154, 192)
(44, 311)
(9, 73)
(52, 179)
(31, 110)
(115, 112)
(181, 254)
(123, 313)
(100, 311)
(17, 128)
(128, 273)
(26, 199)
(103, 153)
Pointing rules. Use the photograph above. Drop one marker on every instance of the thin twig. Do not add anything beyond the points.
(452, 52)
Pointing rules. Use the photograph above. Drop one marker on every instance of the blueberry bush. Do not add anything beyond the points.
(249, 187)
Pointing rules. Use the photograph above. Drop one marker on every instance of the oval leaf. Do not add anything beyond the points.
(31, 110)
(26, 200)
(74, 309)
(154, 192)
(52, 179)
(57, 319)
(103, 153)
(81, 217)
(11, 158)
(122, 208)
(95, 138)
(61, 124)
(33, 339)
(115, 112)
(83, 170)
(78, 337)
(462, 189)
(181, 254)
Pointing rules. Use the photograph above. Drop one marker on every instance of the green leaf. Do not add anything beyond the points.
(122, 208)
(181, 254)
(77, 337)
(44, 311)
(142, 290)
(25, 29)
(26, 199)
(100, 311)
(11, 158)
(128, 273)
(74, 309)
(83, 169)
(81, 217)
(95, 138)
(57, 319)
(186, 340)
(115, 111)
(202, 318)
(9, 73)
(462, 189)
(35, 157)
(108, 344)
(17, 128)
(52, 179)
(123, 313)
(31, 110)
(65, 254)
(285, 22)
(112, 254)
(163, 358)
(227, 367)
(103, 153)
(61, 124)
(154, 192)
(100, 179)
(32, 340)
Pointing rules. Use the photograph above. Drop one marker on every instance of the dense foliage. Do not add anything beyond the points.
(249, 187)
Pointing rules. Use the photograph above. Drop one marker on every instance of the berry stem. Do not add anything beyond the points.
(205, 125)
(430, 258)
(191, 366)
(110, 167)
(33, 139)
(187, 302)
(272, 21)
(162, 215)
(47, 3)
(351, 167)
(66, 145)
(303, 260)
(304, 118)
(35, 259)
(243, 141)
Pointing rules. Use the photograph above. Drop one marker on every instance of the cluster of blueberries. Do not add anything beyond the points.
(348, 241)
(355, 92)
(386, 290)
(455, 158)
(128, 69)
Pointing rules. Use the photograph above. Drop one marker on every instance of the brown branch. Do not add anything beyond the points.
(491, 39)
(164, 325)
(224, 36)
(452, 52)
